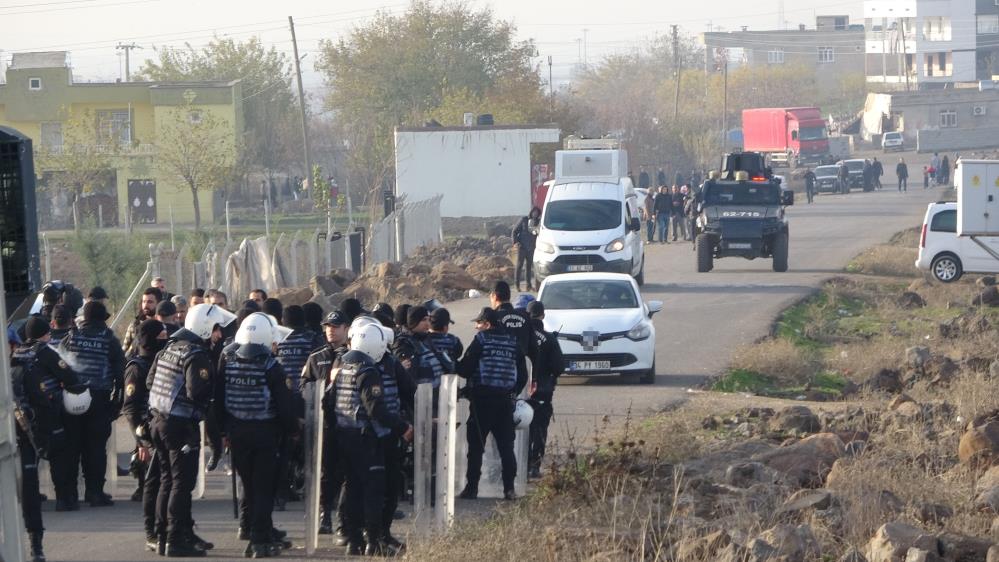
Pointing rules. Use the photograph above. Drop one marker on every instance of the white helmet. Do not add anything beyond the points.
(523, 414)
(371, 339)
(202, 318)
(261, 329)
(366, 320)
(76, 403)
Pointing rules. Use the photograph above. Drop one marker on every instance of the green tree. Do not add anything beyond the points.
(198, 150)
(430, 61)
(83, 160)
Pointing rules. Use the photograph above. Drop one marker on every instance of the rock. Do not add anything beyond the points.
(941, 369)
(806, 462)
(711, 423)
(290, 297)
(343, 277)
(703, 548)
(805, 500)
(416, 270)
(893, 540)
(968, 323)
(322, 285)
(909, 410)
(885, 380)
(961, 548)
(988, 297)
(798, 418)
(988, 500)
(994, 529)
(993, 554)
(328, 303)
(909, 300)
(852, 555)
(446, 275)
(744, 475)
(917, 356)
(489, 269)
(920, 555)
(897, 401)
(919, 284)
(387, 269)
(979, 446)
(495, 229)
(985, 281)
(988, 480)
(933, 513)
(794, 542)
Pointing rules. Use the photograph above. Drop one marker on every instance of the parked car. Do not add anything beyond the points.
(892, 141)
(855, 167)
(827, 179)
(948, 256)
(603, 326)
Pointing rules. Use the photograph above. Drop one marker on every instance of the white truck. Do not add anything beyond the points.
(590, 220)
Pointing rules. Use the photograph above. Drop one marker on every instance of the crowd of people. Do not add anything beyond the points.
(244, 371)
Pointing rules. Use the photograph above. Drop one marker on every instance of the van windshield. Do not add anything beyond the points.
(583, 214)
(742, 194)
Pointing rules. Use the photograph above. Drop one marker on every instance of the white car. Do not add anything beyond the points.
(603, 326)
(892, 141)
(948, 256)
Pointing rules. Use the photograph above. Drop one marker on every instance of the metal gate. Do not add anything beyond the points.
(11, 530)
(142, 201)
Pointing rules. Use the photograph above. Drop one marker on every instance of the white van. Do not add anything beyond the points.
(948, 256)
(590, 226)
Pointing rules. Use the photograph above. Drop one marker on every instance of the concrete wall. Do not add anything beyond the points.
(480, 171)
(957, 139)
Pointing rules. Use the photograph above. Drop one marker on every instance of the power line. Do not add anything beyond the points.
(79, 7)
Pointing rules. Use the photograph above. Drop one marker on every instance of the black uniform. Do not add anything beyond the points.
(518, 324)
(136, 411)
(254, 401)
(94, 353)
(448, 343)
(548, 365)
(292, 353)
(428, 364)
(317, 368)
(399, 394)
(38, 376)
(362, 417)
(525, 235)
(490, 365)
(180, 390)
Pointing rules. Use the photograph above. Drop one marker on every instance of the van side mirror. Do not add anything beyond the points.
(636, 225)
(794, 135)
(654, 307)
(787, 197)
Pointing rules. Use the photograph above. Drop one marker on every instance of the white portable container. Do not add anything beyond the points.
(977, 184)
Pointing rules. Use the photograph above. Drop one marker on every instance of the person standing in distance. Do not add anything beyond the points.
(548, 365)
(180, 391)
(256, 408)
(525, 236)
(517, 323)
(490, 366)
(902, 172)
(810, 180)
(359, 402)
(94, 353)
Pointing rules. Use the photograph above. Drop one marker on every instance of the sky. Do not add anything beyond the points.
(570, 31)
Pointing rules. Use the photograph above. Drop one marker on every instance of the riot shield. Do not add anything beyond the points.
(199, 485)
(111, 448)
(491, 481)
(447, 432)
(313, 435)
(423, 430)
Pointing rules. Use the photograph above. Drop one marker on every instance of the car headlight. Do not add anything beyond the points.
(615, 246)
(640, 332)
(545, 247)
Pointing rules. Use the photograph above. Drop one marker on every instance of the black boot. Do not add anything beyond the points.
(340, 537)
(469, 493)
(326, 523)
(198, 541)
(183, 549)
(36, 547)
(152, 541)
(376, 546)
(264, 550)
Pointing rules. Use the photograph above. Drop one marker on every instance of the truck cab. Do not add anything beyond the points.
(590, 219)
(787, 135)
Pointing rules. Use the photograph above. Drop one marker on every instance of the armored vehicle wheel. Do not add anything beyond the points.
(705, 257)
(780, 252)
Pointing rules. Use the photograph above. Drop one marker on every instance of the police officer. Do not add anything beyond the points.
(517, 323)
(317, 368)
(441, 336)
(152, 337)
(490, 365)
(38, 376)
(180, 389)
(254, 401)
(548, 364)
(62, 325)
(362, 415)
(95, 354)
(415, 350)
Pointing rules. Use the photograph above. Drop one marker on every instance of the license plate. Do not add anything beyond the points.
(572, 268)
(740, 245)
(589, 365)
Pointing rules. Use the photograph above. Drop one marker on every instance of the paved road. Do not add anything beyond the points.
(706, 316)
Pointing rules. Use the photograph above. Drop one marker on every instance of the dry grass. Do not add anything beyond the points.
(893, 261)
(778, 359)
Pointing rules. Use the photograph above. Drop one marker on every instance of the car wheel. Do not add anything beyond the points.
(640, 278)
(705, 259)
(946, 268)
(779, 252)
(649, 377)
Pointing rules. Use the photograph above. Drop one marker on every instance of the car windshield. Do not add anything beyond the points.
(855, 165)
(742, 194)
(596, 294)
(826, 171)
(583, 214)
(893, 136)
(812, 133)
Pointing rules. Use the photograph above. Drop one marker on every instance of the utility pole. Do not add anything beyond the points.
(904, 61)
(305, 124)
(586, 62)
(551, 91)
(676, 68)
(724, 63)
(127, 47)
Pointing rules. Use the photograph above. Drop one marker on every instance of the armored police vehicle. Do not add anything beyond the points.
(742, 215)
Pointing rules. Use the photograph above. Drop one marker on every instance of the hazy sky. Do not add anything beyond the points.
(90, 29)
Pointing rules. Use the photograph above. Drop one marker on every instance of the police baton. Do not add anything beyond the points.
(232, 475)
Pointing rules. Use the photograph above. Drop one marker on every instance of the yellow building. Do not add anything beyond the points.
(123, 124)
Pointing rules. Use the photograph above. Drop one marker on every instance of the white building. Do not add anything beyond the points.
(921, 43)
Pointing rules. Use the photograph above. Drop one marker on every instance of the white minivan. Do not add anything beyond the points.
(948, 256)
(590, 226)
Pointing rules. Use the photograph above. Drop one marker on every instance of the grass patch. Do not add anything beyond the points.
(744, 380)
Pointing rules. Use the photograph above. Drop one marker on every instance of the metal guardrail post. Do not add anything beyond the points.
(423, 446)
(11, 525)
(447, 435)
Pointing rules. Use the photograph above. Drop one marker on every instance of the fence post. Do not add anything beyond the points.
(76, 216)
(100, 215)
(173, 243)
(228, 235)
(267, 219)
(400, 230)
(48, 256)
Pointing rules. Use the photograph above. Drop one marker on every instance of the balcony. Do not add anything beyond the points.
(143, 149)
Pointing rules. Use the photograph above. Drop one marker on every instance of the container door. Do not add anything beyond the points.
(142, 201)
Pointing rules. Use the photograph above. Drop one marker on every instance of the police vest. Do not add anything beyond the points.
(22, 362)
(167, 396)
(516, 325)
(497, 362)
(431, 369)
(292, 354)
(446, 343)
(247, 396)
(88, 354)
(390, 394)
(350, 413)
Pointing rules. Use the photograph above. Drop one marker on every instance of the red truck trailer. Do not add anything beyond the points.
(786, 135)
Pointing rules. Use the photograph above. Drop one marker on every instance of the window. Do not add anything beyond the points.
(948, 118)
(775, 57)
(599, 295)
(583, 214)
(195, 116)
(936, 28)
(988, 24)
(34, 84)
(944, 221)
(51, 135)
(114, 127)
(826, 54)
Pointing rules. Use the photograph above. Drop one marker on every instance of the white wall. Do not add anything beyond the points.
(481, 172)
